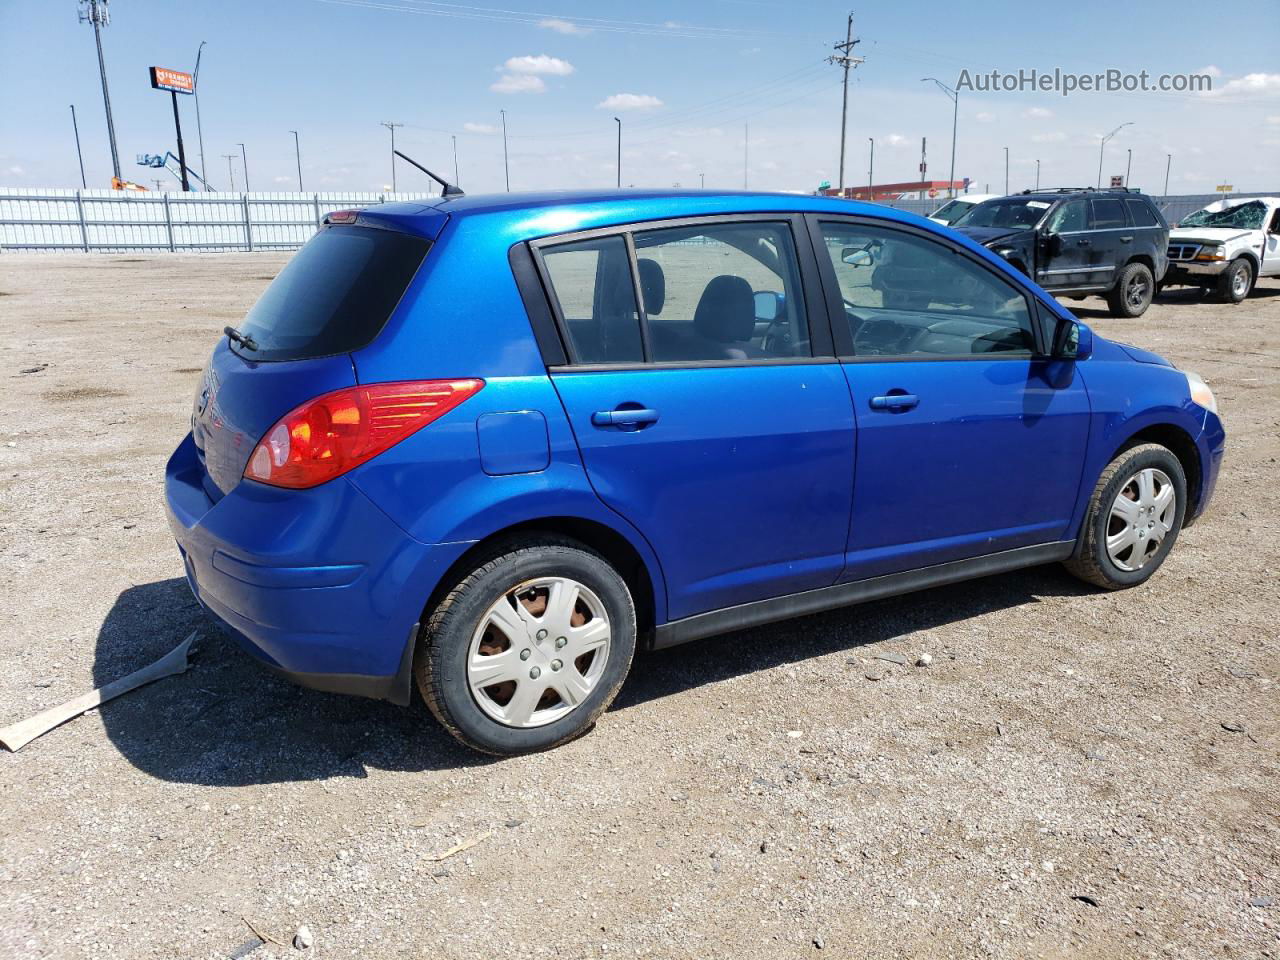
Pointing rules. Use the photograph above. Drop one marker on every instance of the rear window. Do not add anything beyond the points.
(335, 295)
(1141, 213)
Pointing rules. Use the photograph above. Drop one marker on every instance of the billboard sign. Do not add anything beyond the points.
(175, 81)
(1117, 181)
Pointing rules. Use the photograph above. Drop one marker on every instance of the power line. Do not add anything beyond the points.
(392, 127)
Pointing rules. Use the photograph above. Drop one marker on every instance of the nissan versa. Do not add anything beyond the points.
(494, 444)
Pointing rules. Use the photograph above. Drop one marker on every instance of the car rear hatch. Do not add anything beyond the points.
(332, 298)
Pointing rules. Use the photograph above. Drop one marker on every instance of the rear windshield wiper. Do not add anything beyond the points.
(244, 340)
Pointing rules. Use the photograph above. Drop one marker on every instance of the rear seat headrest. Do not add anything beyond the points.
(653, 285)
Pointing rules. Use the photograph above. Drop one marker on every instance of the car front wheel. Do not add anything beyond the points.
(1235, 282)
(1133, 518)
(529, 649)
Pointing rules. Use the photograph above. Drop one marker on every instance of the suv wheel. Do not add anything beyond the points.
(1133, 519)
(1235, 282)
(529, 648)
(1132, 293)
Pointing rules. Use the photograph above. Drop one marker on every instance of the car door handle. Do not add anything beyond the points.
(1082, 242)
(895, 401)
(1126, 239)
(637, 417)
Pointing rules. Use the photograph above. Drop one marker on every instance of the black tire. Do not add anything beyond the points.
(1091, 561)
(1132, 292)
(444, 645)
(1235, 282)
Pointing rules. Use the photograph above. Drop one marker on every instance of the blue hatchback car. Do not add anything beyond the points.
(494, 444)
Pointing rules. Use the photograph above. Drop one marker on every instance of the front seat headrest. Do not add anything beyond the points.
(653, 285)
(727, 310)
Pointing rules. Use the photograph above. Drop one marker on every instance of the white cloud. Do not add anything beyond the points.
(563, 26)
(896, 140)
(1038, 112)
(518, 83)
(1057, 136)
(1210, 70)
(479, 128)
(629, 101)
(1275, 119)
(985, 117)
(1250, 85)
(541, 65)
(16, 170)
(282, 179)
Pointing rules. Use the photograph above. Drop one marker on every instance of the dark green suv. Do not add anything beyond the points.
(1079, 241)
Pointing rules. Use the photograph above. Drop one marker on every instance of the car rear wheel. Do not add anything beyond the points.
(1133, 519)
(1132, 293)
(528, 649)
(1235, 282)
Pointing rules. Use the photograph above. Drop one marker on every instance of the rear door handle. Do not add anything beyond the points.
(895, 401)
(1126, 239)
(624, 418)
(1082, 242)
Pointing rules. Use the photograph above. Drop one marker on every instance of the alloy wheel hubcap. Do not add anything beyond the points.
(1141, 517)
(538, 652)
(1137, 292)
(1240, 281)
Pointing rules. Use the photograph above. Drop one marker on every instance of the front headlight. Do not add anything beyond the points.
(1210, 251)
(1201, 395)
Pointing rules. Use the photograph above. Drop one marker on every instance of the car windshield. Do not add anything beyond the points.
(1244, 216)
(951, 211)
(1005, 212)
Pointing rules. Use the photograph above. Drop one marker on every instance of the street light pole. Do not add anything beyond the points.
(619, 123)
(506, 167)
(955, 119)
(195, 91)
(871, 171)
(1128, 165)
(1103, 146)
(231, 173)
(80, 156)
(1037, 175)
(244, 162)
(457, 181)
(1168, 162)
(1006, 171)
(297, 152)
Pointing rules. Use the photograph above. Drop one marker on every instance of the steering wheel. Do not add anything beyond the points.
(777, 340)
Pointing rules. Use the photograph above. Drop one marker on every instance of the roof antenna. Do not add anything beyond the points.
(449, 189)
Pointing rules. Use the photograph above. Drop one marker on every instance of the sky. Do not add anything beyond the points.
(721, 92)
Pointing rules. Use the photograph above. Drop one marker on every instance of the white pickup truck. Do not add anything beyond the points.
(1226, 247)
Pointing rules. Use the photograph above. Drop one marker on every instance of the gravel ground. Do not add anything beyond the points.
(1076, 774)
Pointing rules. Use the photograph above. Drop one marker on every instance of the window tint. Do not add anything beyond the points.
(335, 295)
(1140, 213)
(1069, 217)
(592, 282)
(1107, 212)
(728, 291)
(907, 296)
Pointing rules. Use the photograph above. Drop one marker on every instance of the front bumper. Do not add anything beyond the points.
(1186, 271)
(320, 585)
(1212, 447)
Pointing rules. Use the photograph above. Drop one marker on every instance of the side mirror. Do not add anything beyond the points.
(768, 305)
(1072, 340)
(857, 256)
(1053, 244)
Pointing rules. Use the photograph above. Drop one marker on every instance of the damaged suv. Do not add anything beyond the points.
(1075, 242)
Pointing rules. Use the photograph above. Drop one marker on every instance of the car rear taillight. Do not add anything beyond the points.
(336, 432)
(341, 216)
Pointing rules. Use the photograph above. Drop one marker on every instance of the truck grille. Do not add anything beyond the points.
(1183, 251)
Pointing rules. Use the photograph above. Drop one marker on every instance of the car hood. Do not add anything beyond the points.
(1143, 356)
(1209, 234)
(989, 235)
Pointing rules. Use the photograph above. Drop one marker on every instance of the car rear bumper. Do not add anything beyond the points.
(320, 585)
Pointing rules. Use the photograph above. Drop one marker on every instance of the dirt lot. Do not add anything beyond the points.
(1059, 782)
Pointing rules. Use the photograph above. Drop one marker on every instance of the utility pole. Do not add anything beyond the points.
(95, 12)
(1168, 162)
(843, 58)
(506, 168)
(195, 91)
(231, 173)
(871, 171)
(955, 116)
(80, 156)
(703, 178)
(1128, 165)
(1037, 176)
(619, 123)
(158, 184)
(297, 153)
(392, 127)
(924, 166)
(244, 162)
(457, 181)
(1103, 146)
(1006, 171)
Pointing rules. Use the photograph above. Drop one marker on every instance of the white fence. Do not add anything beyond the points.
(114, 221)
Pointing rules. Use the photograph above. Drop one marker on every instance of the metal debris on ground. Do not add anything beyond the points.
(264, 937)
(18, 735)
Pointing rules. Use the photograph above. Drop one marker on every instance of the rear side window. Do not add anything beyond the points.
(335, 295)
(1107, 213)
(1141, 213)
(591, 280)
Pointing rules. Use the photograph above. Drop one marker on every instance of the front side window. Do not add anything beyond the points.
(1070, 216)
(907, 296)
(723, 291)
(591, 280)
(1108, 213)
